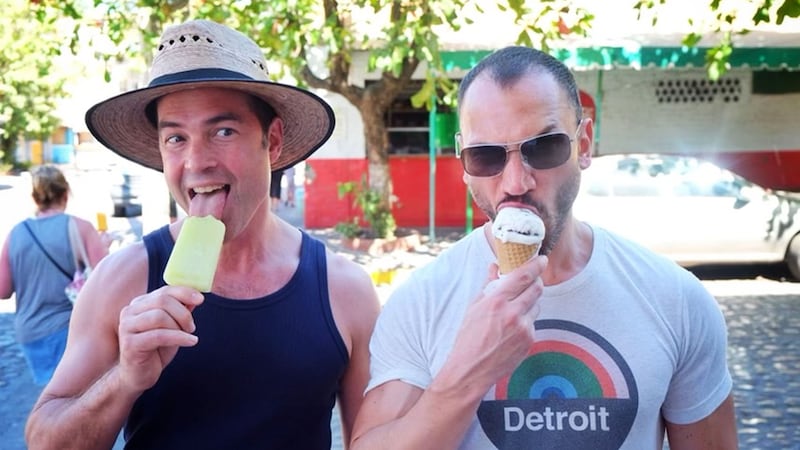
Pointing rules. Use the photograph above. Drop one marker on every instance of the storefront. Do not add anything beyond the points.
(642, 99)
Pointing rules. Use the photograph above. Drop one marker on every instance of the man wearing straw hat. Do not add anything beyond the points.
(260, 360)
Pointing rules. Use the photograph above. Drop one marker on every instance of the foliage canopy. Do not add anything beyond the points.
(31, 81)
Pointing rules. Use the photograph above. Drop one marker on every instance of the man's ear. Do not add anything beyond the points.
(274, 139)
(586, 143)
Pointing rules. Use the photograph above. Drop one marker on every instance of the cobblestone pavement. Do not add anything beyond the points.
(17, 391)
(764, 356)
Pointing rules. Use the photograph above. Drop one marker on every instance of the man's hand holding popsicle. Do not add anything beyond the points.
(155, 325)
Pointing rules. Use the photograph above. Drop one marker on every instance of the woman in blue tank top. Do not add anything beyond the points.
(35, 264)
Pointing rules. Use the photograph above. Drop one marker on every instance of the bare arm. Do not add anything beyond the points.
(6, 282)
(494, 338)
(355, 308)
(715, 432)
(96, 246)
(396, 415)
(116, 349)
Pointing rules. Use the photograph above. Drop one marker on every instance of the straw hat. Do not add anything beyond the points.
(198, 54)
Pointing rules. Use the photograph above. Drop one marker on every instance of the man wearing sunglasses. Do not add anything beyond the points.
(596, 343)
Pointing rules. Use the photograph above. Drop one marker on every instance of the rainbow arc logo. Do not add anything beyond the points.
(574, 390)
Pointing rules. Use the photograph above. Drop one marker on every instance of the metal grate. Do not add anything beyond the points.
(699, 90)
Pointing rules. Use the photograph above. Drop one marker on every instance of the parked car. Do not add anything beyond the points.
(691, 210)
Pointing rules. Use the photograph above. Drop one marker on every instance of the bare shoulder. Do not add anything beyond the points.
(82, 223)
(96, 248)
(348, 282)
(85, 228)
(354, 300)
(117, 279)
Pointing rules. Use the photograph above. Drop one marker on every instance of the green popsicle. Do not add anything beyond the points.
(196, 253)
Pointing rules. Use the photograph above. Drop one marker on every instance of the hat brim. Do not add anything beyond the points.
(121, 124)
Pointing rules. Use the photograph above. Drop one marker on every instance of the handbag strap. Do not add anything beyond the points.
(78, 249)
(41, 247)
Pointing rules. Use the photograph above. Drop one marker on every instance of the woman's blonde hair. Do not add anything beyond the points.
(50, 187)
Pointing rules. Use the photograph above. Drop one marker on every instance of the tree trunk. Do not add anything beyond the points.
(372, 102)
(377, 142)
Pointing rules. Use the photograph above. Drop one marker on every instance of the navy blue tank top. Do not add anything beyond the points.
(264, 374)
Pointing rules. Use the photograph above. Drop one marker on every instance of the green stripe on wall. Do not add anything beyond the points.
(646, 57)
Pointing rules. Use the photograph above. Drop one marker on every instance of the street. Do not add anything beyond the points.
(762, 313)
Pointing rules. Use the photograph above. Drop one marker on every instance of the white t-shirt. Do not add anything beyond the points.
(631, 338)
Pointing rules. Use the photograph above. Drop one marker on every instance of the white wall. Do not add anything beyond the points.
(632, 119)
(347, 140)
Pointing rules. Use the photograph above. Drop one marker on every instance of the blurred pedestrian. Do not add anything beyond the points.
(36, 263)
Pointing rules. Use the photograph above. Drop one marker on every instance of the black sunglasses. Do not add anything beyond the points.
(545, 151)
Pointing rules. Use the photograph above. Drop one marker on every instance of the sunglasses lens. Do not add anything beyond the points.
(483, 160)
(546, 152)
(542, 152)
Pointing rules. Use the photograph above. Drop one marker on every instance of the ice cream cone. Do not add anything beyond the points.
(511, 255)
(518, 234)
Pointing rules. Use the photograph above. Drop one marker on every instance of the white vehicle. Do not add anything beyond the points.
(691, 210)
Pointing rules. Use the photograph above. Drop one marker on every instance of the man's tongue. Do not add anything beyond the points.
(212, 203)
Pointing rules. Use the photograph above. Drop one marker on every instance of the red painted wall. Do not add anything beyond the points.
(410, 176)
(323, 208)
(775, 169)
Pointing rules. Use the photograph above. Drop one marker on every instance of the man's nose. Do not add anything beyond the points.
(199, 155)
(517, 177)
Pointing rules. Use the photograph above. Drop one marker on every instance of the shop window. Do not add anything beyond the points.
(776, 82)
(409, 127)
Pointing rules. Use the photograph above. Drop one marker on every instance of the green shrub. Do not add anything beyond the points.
(378, 215)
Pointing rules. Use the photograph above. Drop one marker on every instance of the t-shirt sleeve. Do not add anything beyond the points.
(702, 380)
(396, 349)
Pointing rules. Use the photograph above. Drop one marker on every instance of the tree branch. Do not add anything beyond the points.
(352, 93)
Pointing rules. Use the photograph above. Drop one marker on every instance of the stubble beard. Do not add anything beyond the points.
(554, 221)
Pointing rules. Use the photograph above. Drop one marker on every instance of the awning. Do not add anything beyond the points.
(606, 58)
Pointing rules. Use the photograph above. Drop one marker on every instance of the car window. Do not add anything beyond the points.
(659, 176)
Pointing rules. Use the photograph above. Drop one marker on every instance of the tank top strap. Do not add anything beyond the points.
(159, 246)
(312, 253)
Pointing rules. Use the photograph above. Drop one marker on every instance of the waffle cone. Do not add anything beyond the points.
(511, 255)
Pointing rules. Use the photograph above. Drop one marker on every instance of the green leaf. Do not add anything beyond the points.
(762, 13)
(424, 95)
(789, 8)
(524, 38)
(691, 39)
